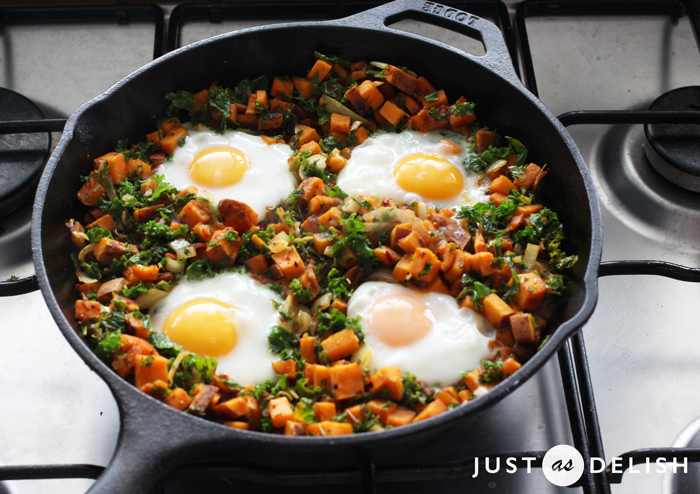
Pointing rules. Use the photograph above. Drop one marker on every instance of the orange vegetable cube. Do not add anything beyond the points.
(290, 263)
(179, 399)
(282, 88)
(318, 375)
(502, 185)
(481, 262)
(117, 166)
(150, 368)
(200, 99)
(285, 367)
(306, 134)
(484, 139)
(106, 221)
(423, 87)
(138, 168)
(496, 311)
(107, 250)
(397, 77)
(448, 396)
(294, 429)
(532, 291)
(371, 94)
(307, 346)
(510, 366)
(257, 264)
(324, 411)
(146, 273)
(382, 409)
(532, 172)
(400, 416)
(192, 213)
(304, 87)
(329, 429)
(87, 310)
(434, 408)
(341, 344)
(280, 411)
(172, 140)
(90, 192)
(232, 409)
(340, 123)
(169, 124)
(223, 246)
(392, 113)
(440, 99)
(311, 146)
(321, 69)
(346, 381)
(312, 187)
(387, 256)
(322, 203)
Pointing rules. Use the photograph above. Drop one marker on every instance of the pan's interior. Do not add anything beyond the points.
(131, 110)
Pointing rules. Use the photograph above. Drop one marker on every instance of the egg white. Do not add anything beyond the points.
(266, 182)
(370, 169)
(253, 316)
(458, 341)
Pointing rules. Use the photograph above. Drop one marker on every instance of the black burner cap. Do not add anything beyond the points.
(674, 149)
(22, 156)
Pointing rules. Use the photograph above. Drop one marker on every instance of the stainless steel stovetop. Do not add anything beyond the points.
(642, 340)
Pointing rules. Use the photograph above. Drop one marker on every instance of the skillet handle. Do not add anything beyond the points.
(152, 440)
(496, 58)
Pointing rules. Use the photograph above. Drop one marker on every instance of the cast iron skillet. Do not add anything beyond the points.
(154, 436)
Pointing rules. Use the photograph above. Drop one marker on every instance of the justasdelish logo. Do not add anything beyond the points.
(563, 465)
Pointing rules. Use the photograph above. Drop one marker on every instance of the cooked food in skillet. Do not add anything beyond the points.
(336, 253)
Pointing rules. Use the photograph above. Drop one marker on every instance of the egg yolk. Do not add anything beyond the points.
(202, 326)
(430, 176)
(219, 167)
(399, 320)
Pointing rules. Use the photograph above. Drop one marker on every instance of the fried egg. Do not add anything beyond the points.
(227, 317)
(233, 165)
(426, 334)
(413, 166)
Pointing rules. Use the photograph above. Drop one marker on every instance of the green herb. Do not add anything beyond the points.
(147, 362)
(302, 294)
(555, 283)
(493, 371)
(413, 392)
(284, 343)
(514, 288)
(337, 321)
(181, 100)
(432, 96)
(461, 109)
(362, 202)
(356, 240)
(193, 370)
(338, 284)
(426, 271)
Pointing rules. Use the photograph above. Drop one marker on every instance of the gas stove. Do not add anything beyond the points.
(627, 382)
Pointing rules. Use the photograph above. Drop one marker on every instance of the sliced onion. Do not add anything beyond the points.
(176, 363)
(350, 206)
(380, 65)
(321, 303)
(183, 248)
(495, 166)
(151, 298)
(279, 243)
(86, 250)
(176, 267)
(334, 106)
(530, 256)
(206, 200)
(421, 210)
(84, 278)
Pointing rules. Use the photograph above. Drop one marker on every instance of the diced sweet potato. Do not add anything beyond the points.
(320, 70)
(461, 263)
(330, 218)
(387, 256)
(172, 140)
(226, 243)
(382, 409)
(128, 304)
(179, 399)
(371, 94)
(312, 146)
(329, 429)
(322, 203)
(290, 263)
(523, 328)
(303, 87)
(232, 409)
(448, 396)
(403, 81)
(282, 88)
(484, 139)
(307, 346)
(238, 424)
(340, 123)
(318, 375)
(324, 411)
(237, 215)
(280, 411)
(90, 192)
(285, 367)
(438, 286)
(311, 187)
(528, 180)
(109, 287)
(149, 368)
(257, 264)
(87, 310)
(341, 344)
(440, 99)
(532, 291)
(304, 134)
(434, 408)
(340, 304)
(292, 428)
(346, 381)
(423, 87)
(502, 185)
(146, 273)
(400, 416)
(496, 311)
(392, 113)
(481, 263)
(136, 325)
(144, 214)
(116, 165)
(106, 221)
(471, 380)
(354, 96)
(200, 98)
(192, 213)
(510, 366)
(138, 168)
(398, 233)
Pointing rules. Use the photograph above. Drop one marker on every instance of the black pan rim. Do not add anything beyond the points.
(121, 389)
